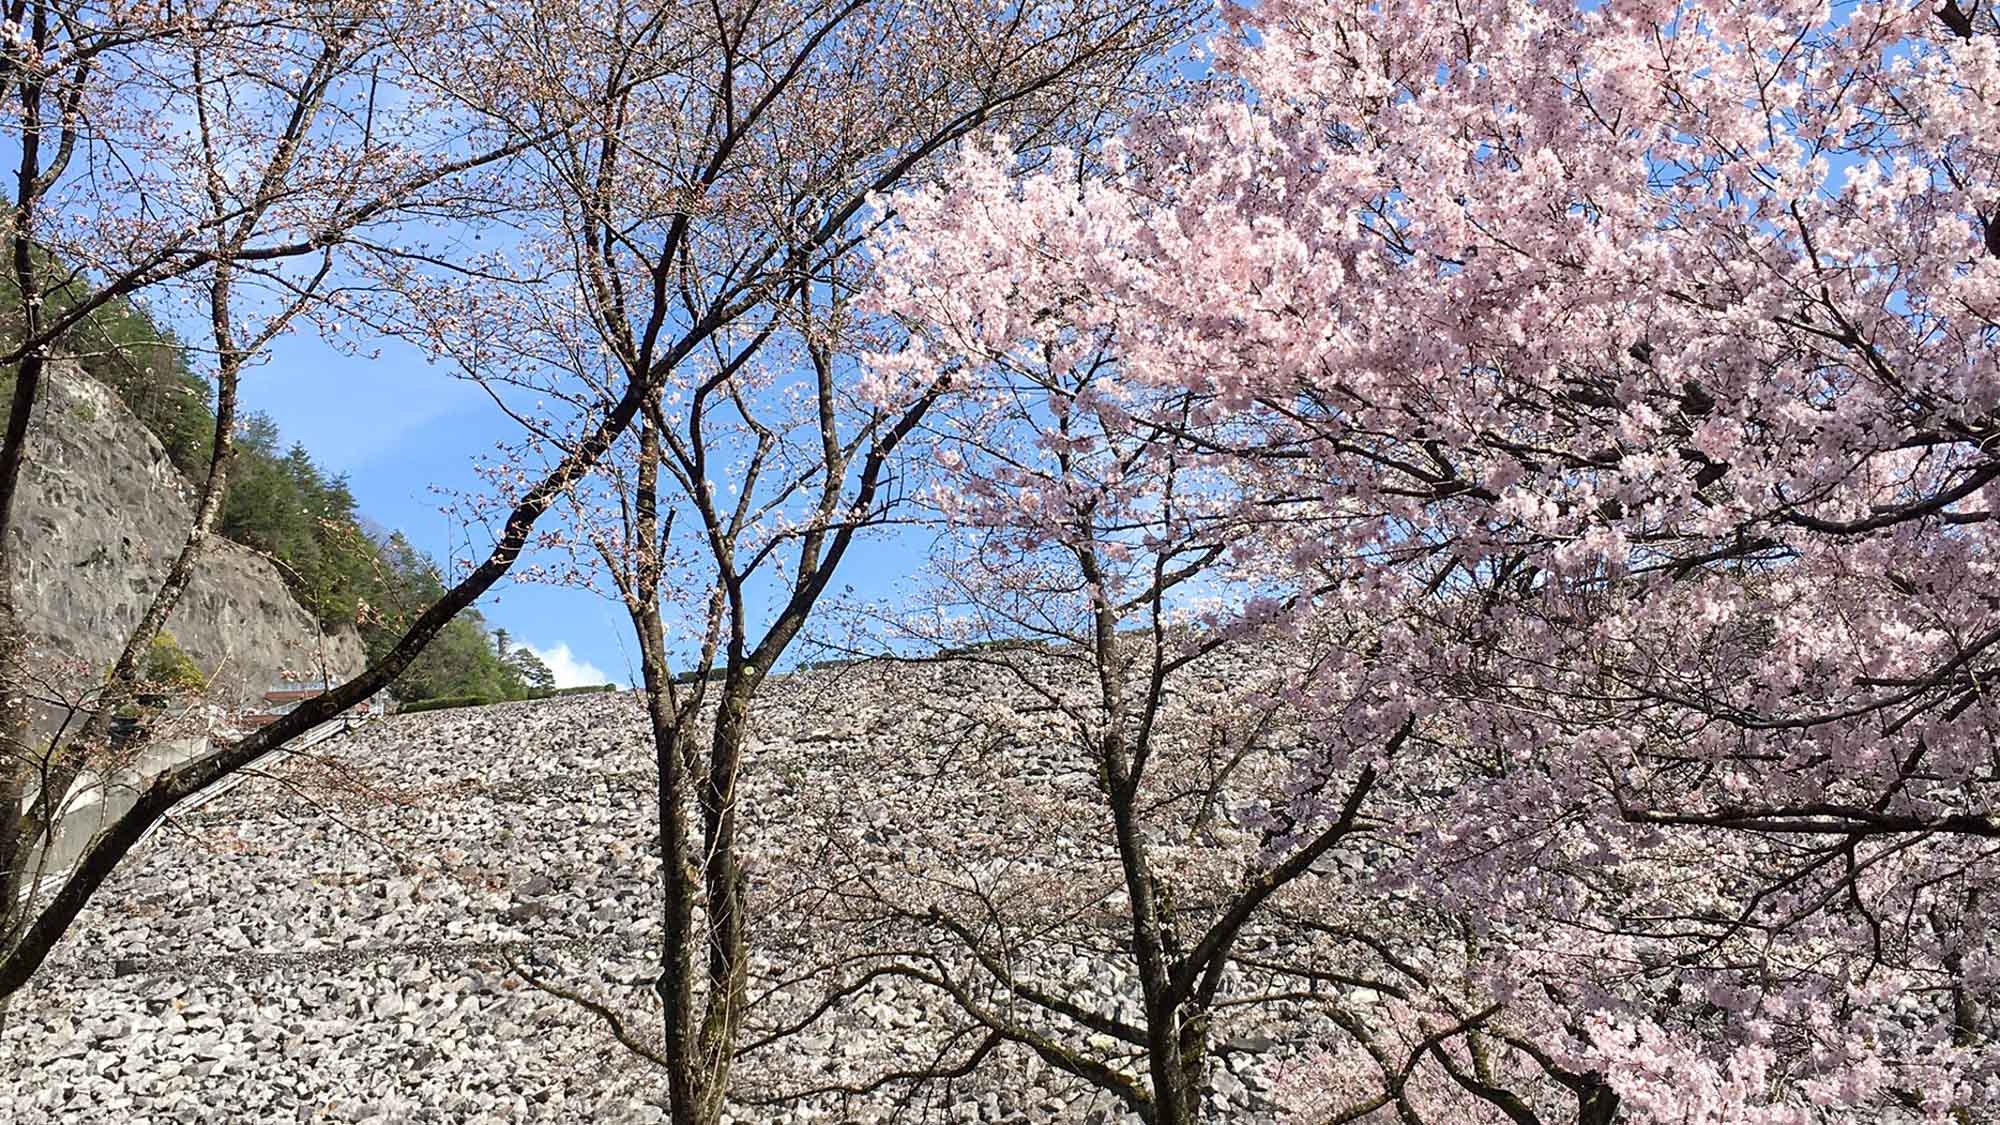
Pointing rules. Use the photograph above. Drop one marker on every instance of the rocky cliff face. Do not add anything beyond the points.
(101, 515)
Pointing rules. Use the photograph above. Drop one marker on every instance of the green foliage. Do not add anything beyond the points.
(170, 668)
(713, 675)
(148, 370)
(290, 509)
(529, 669)
(460, 662)
(445, 702)
(120, 346)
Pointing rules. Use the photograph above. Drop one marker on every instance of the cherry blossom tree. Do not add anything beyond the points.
(1633, 366)
(701, 238)
(1088, 568)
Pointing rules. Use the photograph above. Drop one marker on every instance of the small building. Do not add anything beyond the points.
(285, 695)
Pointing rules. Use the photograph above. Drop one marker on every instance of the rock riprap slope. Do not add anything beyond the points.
(331, 941)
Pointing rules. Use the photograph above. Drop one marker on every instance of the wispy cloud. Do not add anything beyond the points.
(567, 669)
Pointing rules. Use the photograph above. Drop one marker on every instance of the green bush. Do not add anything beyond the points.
(446, 702)
(170, 668)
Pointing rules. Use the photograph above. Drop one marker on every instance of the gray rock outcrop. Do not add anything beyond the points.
(102, 513)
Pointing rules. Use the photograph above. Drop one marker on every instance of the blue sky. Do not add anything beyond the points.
(399, 429)
(402, 429)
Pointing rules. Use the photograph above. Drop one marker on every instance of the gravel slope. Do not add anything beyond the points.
(327, 943)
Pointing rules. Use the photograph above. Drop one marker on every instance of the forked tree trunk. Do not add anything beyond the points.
(703, 985)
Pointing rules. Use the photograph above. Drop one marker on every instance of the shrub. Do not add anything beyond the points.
(169, 668)
(446, 702)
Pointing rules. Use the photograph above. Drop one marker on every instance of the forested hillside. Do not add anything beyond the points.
(284, 505)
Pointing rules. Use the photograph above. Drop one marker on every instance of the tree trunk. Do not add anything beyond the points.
(728, 908)
(699, 1049)
(66, 762)
(1175, 1072)
(680, 876)
(17, 757)
(19, 761)
(1596, 1103)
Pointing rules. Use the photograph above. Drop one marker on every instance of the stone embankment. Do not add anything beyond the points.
(336, 941)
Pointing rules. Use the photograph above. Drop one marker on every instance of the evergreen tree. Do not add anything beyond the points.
(530, 670)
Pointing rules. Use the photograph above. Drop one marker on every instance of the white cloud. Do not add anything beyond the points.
(567, 669)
